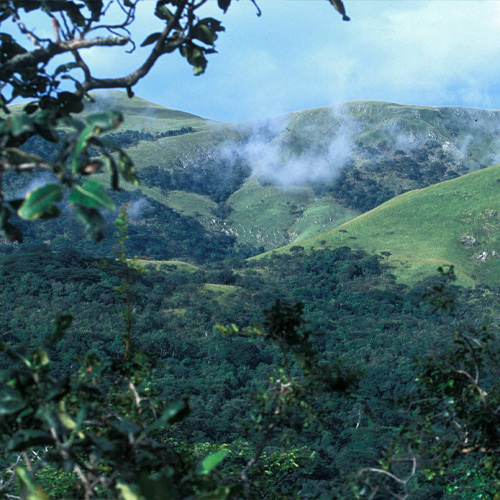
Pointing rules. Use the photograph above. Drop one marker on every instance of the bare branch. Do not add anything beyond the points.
(23, 167)
(44, 55)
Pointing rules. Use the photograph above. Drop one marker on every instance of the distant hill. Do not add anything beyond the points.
(212, 190)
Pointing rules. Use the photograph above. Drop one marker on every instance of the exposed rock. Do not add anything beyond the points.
(482, 256)
(469, 241)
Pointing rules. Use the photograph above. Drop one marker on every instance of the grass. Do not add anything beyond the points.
(263, 215)
(269, 217)
(166, 265)
(426, 228)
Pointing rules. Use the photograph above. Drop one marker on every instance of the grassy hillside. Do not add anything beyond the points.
(240, 189)
(455, 222)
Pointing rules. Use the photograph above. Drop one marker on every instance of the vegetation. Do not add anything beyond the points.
(454, 222)
(133, 365)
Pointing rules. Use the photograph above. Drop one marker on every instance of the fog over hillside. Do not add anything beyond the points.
(261, 185)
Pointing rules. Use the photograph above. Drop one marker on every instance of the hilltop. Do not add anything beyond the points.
(212, 190)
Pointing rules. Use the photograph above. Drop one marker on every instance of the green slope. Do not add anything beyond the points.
(209, 178)
(455, 222)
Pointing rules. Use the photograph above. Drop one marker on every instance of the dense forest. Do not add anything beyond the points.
(352, 302)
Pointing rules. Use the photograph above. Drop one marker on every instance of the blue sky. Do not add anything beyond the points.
(300, 55)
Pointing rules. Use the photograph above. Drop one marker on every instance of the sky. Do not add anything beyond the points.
(300, 54)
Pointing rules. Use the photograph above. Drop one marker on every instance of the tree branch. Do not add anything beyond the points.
(130, 80)
(20, 62)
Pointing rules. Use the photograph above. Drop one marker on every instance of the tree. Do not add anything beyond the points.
(81, 149)
(449, 445)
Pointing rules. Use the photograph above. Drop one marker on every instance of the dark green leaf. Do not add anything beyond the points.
(70, 102)
(31, 107)
(39, 201)
(164, 13)
(92, 221)
(211, 462)
(127, 169)
(11, 232)
(127, 427)
(51, 213)
(26, 439)
(174, 413)
(202, 32)
(221, 493)
(63, 68)
(91, 195)
(11, 401)
(74, 14)
(20, 124)
(339, 7)
(40, 358)
(103, 443)
(81, 143)
(45, 129)
(105, 121)
(195, 57)
(152, 38)
(29, 489)
(95, 7)
(224, 4)
(15, 204)
(59, 329)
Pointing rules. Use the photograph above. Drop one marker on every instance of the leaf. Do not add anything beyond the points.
(64, 68)
(127, 169)
(11, 401)
(211, 462)
(127, 492)
(74, 14)
(44, 128)
(202, 32)
(339, 7)
(29, 438)
(92, 221)
(70, 102)
(29, 490)
(152, 38)
(195, 57)
(103, 443)
(40, 358)
(164, 13)
(39, 201)
(31, 107)
(20, 124)
(224, 4)
(11, 232)
(63, 322)
(81, 143)
(127, 427)
(95, 7)
(91, 195)
(174, 413)
(51, 213)
(106, 120)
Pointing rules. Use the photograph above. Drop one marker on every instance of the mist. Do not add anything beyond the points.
(287, 154)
